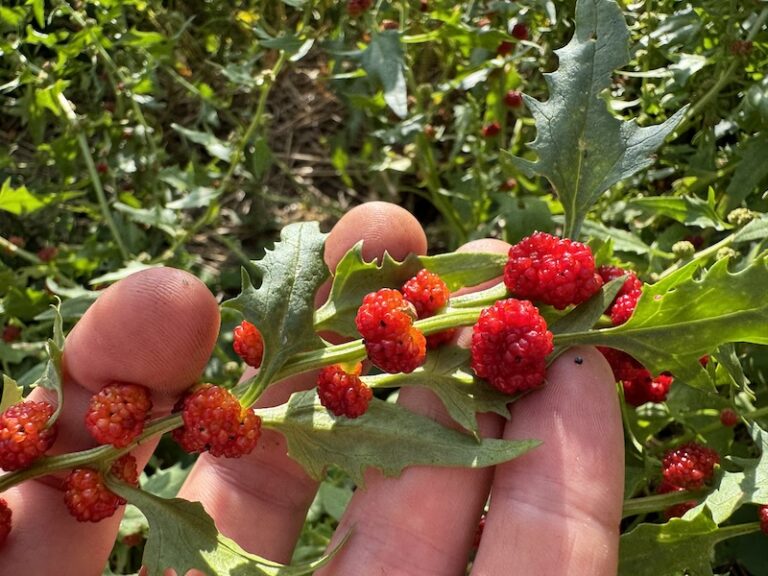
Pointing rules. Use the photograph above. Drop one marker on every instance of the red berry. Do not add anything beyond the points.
(625, 302)
(215, 421)
(689, 466)
(676, 510)
(402, 352)
(11, 333)
(520, 31)
(87, 496)
(762, 513)
(728, 417)
(385, 321)
(25, 434)
(102, 168)
(504, 48)
(639, 386)
(47, 254)
(248, 343)
(357, 7)
(342, 392)
(479, 533)
(513, 99)
(509, 184)
(116, 415)
(5, 521)
(491, 130)
(510, 343)
(741, 47)
(428, 294)
(552, 270)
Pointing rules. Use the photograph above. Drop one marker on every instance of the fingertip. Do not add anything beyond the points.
(156, 327)
(382, 227)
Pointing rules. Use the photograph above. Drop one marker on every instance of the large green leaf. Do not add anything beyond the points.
(463, 395)
(182, 536)
(688, 210)
(582, 149)
(354, 278)
(688, 314)
(282, 307)
(677, 548)
(749, 485)
(387, 437)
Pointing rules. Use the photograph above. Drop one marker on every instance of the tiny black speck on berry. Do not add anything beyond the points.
(578, 360)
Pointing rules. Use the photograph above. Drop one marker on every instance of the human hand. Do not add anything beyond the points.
(555, 510)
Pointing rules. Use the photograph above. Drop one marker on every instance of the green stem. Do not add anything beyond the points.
(704, 254)
(350, 352)
(69, 113)
(657, 502)
(87, 458)
(10, 247)
(728, 532)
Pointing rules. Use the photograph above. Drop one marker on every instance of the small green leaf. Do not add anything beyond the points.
(196, 543)
(387, 437)
(688, 210)
(282, 307)
(582, 149)
(750, 485)
(751, 170)
(12, 393)
(18, 200)
(688, 314)
(677, 548)
(354, 278)
(214, 146)
(384, 62)
(461, 394)
(584, 316)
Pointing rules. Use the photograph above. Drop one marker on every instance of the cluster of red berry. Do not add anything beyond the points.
(687, 467)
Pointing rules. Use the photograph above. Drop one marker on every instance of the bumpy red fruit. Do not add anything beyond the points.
(762, 513)
(248, 343)
(428, 294)
(625, 302)
(342, 392)
(729, 417)
(513, 99)
(385, 321)
(552, 270)
(215, 421)
(510, 343)
(689, 466)
(5, 521)
(639, 386)
(25, 434)
(491, 129)
(87, 496)
(520, 31)
(116, 415)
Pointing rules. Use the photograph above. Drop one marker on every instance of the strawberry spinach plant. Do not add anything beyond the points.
(682, 344)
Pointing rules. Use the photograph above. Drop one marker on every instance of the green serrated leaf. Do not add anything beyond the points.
(461, 394)
(688, 210)
(196, 543)
(750, 485)
(688, 314)
(12, 393)
(354, 278)
(18, 200)
(51, 377)
(215, 147)
(582, 149)
(677, 548)
(384, 62)
(752, 169)
(282, 307)
(387, 437)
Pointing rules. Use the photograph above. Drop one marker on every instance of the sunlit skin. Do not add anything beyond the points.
(555, 510)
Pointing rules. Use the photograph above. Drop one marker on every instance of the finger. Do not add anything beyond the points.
(155, 328)
(261, 500)
(424, 521)
(560, 505)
